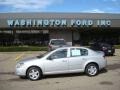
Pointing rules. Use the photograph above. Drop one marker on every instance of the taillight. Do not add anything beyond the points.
(104, 48)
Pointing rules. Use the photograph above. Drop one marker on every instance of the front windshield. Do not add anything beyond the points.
(58, 42)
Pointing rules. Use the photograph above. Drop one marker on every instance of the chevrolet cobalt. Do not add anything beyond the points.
(60, 61)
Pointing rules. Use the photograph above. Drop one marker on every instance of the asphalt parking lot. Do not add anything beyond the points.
(107, 79)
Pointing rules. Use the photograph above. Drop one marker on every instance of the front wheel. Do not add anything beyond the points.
(34, 73)
(23, 77)
(91, 69)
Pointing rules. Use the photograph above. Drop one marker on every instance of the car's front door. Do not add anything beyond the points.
(57, 62)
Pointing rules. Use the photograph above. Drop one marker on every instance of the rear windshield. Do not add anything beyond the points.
(58, 42)
(105, 45)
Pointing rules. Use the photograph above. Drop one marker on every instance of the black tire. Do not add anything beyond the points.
(34, 73)
(23, 77)
(112, 54)
(91, 69)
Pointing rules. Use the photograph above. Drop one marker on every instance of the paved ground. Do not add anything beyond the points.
(106, 80)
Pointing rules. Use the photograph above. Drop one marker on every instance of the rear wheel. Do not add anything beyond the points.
(91, 69)
(34, 73)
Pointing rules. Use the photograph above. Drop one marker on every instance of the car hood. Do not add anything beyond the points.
(30, 59)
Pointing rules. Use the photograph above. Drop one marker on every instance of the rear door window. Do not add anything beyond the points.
(75, 52)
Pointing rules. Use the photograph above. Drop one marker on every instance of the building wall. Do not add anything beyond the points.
(28, 21)
(64, 34)
(22, 18)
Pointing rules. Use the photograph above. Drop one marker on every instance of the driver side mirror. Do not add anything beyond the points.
(52, 57)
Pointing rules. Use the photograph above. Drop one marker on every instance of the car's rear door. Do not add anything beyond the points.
(78, 57)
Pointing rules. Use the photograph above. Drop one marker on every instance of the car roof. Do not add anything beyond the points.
(57, 39)
(72, 47)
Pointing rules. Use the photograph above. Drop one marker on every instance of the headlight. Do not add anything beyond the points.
(19, 65)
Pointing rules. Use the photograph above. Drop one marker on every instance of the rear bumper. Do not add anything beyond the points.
(103, 64)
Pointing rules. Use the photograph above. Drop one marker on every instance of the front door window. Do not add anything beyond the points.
(59, 54)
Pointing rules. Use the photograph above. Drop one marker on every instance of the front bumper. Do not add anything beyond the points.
(20, 72)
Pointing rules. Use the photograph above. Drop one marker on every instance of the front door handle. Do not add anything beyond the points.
(84, 59)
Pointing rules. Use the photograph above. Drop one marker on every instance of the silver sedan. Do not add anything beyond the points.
(60, 61)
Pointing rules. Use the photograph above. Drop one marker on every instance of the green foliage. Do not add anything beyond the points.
(30, 48)
(22, 48)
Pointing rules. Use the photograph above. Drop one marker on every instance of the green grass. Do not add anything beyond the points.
(22, 48)
(30, 48)
(117, 46)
